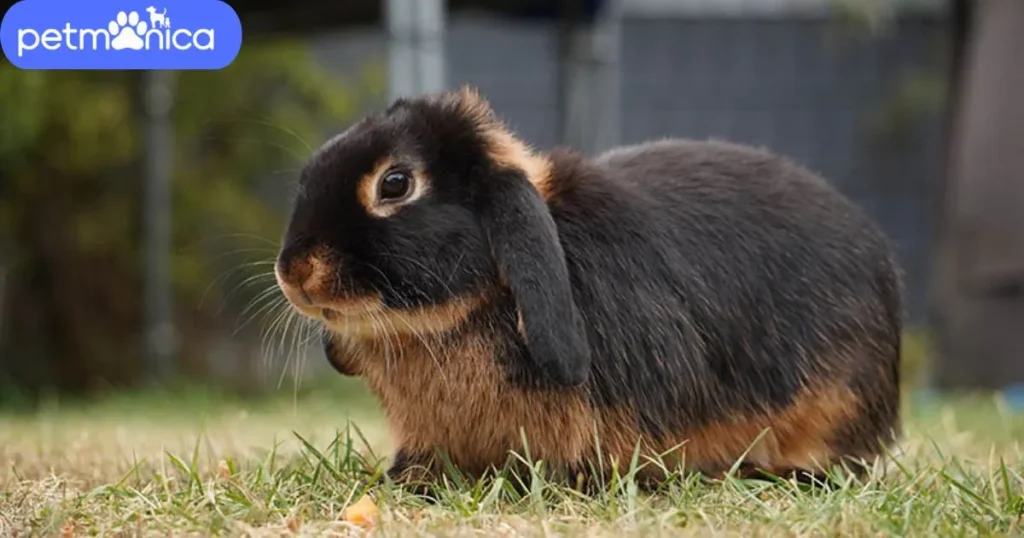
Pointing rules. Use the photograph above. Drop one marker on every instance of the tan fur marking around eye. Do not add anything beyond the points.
(367, 185)
(367, 190)
(420, 187)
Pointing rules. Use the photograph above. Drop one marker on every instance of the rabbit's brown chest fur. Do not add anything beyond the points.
(457, 399)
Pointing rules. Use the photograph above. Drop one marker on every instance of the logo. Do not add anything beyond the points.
(121, 34)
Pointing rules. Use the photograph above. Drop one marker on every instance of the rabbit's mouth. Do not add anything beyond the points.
(372, 320)
(340, 311)
(334, 311)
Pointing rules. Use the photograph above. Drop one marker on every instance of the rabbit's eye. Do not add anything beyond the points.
(395, 186)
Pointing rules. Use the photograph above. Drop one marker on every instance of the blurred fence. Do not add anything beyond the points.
(858, 100)
(861, 105)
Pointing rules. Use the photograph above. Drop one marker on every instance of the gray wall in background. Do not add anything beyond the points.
(787, 84)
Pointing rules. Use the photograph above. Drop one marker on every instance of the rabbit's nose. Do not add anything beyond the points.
(294, 272)
(296, 277)
(292, 287)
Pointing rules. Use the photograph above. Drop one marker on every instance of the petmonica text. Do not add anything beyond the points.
(121, 34)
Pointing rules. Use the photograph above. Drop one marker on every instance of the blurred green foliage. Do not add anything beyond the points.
(71, 191)
(915, 351)
(916, 94)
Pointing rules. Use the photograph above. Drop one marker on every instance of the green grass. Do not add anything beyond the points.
(199, 463)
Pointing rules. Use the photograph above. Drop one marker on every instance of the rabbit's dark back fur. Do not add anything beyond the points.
(674, 293)
(757, 280)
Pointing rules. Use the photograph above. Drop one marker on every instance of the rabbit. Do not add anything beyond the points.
(696, 303)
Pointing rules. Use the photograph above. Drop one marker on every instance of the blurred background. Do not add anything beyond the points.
(140, 212)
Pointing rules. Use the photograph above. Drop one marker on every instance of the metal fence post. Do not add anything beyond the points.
(160, 335)
(416, 55)
(591, 105)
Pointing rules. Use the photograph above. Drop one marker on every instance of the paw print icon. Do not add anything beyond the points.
(127, 31)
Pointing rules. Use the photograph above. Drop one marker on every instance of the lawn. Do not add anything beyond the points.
(196, 463)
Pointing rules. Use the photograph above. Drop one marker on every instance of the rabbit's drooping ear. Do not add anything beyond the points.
(524, 241)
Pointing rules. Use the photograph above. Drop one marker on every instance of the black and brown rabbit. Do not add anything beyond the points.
(686, 297)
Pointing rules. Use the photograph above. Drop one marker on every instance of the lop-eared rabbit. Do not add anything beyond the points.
(680, 298)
